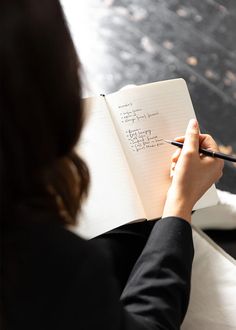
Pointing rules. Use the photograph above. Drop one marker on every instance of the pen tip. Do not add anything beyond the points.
(167, 141)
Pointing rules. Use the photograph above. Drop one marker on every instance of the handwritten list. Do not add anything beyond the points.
(139, 138)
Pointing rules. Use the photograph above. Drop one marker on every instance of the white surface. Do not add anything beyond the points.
(221, 216)
(212, 300)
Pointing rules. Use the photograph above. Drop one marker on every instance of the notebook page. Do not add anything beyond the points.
(113, 199)
(143, 116)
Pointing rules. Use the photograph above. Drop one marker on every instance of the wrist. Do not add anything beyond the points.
(180, 213)
(177, 206)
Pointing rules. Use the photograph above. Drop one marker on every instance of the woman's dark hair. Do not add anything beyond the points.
(41, 114)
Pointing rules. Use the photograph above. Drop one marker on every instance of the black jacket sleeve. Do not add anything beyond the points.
(156, 295)
(157, 292)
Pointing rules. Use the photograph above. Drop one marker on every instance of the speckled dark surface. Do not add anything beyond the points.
(136, 42)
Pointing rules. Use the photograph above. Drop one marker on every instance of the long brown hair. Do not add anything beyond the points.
(41, 113)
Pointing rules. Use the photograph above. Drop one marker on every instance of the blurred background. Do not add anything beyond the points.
(124, 42)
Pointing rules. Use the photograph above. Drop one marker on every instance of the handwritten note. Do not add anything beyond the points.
(130, 114)
(139, 138)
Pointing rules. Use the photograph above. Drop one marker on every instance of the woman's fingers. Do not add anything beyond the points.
(174, 160)
(175, 155)
(191, 141)
(179, 138)
(205, 141)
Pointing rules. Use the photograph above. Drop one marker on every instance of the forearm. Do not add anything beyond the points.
(159, 286)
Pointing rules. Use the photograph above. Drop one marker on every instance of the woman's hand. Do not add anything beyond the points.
(192, 173)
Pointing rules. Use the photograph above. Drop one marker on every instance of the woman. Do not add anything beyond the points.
(52, 279)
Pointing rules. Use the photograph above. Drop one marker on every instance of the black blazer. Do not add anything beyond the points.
(52, 279)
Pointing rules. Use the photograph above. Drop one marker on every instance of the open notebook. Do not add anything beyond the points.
(213, 294)
(127, 158)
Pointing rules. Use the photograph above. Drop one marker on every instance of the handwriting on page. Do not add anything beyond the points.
(138, 131)
(132, 115)
(142, 139)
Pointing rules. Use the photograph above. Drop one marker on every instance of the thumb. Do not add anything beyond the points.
(191, 141)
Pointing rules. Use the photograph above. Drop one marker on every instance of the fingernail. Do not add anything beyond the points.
(193, 123)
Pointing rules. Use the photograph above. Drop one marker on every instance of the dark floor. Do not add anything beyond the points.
(142, 41)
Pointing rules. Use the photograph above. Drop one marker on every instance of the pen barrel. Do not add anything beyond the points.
(225, 157)
(210, 153)
(217, 154)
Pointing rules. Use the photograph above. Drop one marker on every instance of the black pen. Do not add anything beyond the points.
(206, 152)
